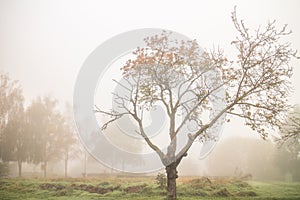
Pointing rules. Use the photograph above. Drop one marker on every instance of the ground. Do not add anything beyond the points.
(138, 188)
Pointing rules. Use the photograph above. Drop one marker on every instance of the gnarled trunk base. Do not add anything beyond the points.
(171, 181)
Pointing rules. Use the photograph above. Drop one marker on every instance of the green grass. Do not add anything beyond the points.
(141, 188)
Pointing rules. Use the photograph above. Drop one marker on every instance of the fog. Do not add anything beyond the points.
(233, 157)
(44, 44)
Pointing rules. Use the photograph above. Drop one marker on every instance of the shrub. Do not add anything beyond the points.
(161, 180)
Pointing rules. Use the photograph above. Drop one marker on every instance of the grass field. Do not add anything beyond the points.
(113, 187)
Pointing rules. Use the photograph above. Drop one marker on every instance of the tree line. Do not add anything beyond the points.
(37, 133)
(40, 133)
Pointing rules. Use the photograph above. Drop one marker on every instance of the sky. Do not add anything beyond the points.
(43, 44)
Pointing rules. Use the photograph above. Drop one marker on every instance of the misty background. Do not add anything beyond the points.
(44, 43)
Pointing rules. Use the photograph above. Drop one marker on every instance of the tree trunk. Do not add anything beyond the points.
(20, 167)
(66, 164)
(84, 167)
(171, 181)
(45, 169)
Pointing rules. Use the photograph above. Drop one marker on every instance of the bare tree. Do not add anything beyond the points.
(186, 81)
(290, 129)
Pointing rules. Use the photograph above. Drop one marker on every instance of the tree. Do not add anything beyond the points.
(10, 99)
(290, 129)
(286, 159)
(186, 81)
(287, 156)
(12, 131)
(68, 140)
(17, 140)
(45, 125)
(243, 156)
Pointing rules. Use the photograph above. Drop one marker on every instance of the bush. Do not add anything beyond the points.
(161, 180)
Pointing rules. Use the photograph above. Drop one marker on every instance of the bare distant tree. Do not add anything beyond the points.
(186, 81)
(290, 129)
(287, 155)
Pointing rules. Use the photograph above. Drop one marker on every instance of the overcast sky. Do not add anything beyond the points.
(44, 43)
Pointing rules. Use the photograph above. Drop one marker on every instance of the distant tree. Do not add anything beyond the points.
(287, 157)
(287, 160)
(240, 155)
(4, 169)
(11, 99)
(186, 82)
(68, 139)
(45, 124)
(114, 134)
(12, 130)
(17, 140)
(290, 128)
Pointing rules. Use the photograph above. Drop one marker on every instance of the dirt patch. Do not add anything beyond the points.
(51, 186)
(95, 189)
(135, 189)
(79, 187)
(98, 190)
(83, 187)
